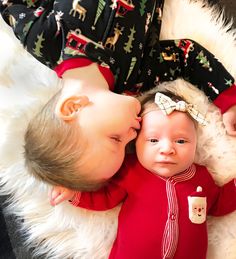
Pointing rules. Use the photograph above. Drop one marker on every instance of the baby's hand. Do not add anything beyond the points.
(59, 194)
(229, 120)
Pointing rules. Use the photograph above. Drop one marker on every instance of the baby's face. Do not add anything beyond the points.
(108, 123)
(166, 144)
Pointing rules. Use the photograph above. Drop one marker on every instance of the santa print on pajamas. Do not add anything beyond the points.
(161, 217)
(120, 35)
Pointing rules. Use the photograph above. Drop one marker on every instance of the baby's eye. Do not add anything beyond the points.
(153, 140)
(181, 141)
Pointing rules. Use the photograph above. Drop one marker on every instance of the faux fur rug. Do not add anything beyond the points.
(67, 232)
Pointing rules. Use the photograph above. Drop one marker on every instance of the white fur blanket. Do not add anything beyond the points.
(68, 232)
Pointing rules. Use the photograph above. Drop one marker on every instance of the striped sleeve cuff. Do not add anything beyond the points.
(76, 199)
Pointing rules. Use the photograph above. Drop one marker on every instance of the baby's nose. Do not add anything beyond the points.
(166, 147)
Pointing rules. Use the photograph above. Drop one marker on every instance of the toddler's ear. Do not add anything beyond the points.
(68, 108)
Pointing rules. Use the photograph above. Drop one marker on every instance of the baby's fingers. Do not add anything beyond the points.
(59, 199)
(231, 130)
(56, 195)
(230, 127)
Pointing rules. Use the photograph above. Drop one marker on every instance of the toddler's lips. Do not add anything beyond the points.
(137, 124)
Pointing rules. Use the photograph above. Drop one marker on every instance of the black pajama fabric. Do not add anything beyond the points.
(121, 34)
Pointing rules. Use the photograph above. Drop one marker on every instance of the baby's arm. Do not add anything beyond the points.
(225, 200)
(105, 198)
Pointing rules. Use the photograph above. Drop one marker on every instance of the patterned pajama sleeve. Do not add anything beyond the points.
(38, 28)
(187, 59)
(43, 29)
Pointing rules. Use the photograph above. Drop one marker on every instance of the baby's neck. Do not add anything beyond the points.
(85, 79)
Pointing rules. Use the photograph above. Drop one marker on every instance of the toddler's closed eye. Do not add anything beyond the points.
(116, 138)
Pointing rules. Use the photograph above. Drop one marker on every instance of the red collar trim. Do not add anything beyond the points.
(185, 175)
(83, 62)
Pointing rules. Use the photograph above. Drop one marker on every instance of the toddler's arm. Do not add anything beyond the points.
(188, 59)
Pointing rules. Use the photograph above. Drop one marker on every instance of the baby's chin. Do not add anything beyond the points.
(166, 171)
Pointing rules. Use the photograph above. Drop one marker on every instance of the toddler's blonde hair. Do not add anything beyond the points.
(54, 150)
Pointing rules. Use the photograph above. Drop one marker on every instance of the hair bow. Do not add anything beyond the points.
(167, 106)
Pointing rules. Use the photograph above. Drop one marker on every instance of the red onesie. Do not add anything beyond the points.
(161, 218)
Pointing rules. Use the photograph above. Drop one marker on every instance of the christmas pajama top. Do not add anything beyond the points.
(120, 35)
(161, 218)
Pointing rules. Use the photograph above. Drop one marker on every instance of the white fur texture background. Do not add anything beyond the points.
(67, 232)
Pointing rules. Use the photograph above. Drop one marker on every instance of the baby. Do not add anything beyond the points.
(101, 49)
(166, 196)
